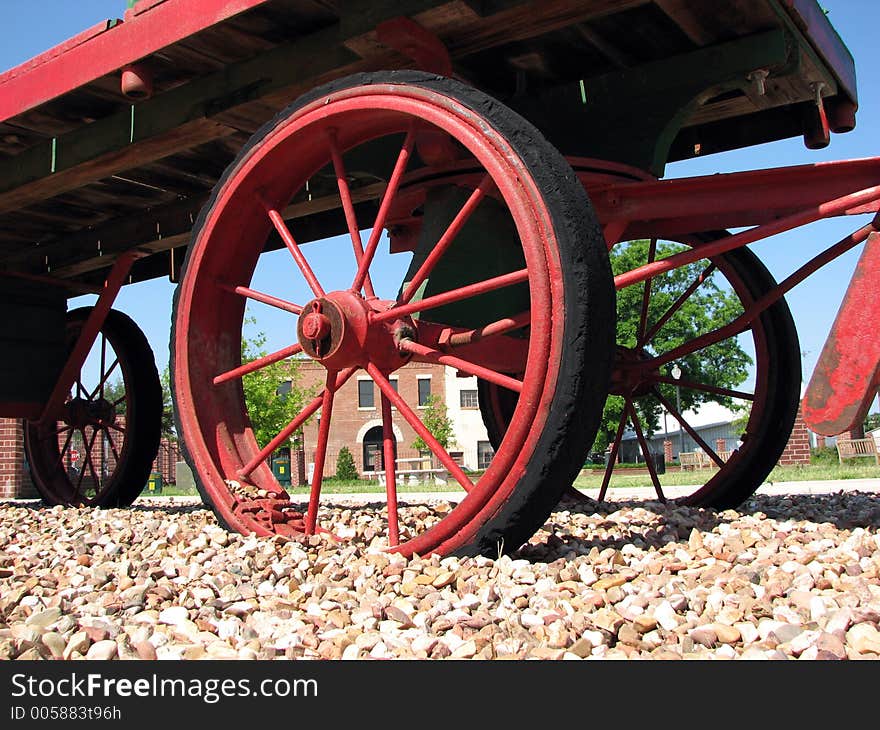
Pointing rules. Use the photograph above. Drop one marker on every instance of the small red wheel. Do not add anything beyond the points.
(768, 406)
(645, 371)
(550, 301)
(101, 450)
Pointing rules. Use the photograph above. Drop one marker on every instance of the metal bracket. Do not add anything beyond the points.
(88, 334)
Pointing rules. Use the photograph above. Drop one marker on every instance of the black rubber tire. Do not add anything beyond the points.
(767, 439)
(589, 310)
(143, 428)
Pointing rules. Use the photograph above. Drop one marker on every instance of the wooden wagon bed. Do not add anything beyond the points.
(86, 173)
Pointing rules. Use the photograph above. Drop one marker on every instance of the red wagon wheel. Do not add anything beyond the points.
(101, 450)
(768, 401)
(563, 277)
(768, 404)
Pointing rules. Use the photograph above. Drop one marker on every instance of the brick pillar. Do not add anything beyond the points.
(720, 445)
(797, 451)
(15, 481)
(820, 442)
(667, 451)
(298, 466)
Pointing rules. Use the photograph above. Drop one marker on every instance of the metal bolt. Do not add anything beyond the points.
(315, 326)
(758, 77)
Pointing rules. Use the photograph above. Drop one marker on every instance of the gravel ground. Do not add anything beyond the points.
(784, 577)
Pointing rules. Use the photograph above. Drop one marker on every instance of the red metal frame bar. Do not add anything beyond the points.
(744, 321)
(94, 54)
(840, 206)
(667, 208)
(89, 332)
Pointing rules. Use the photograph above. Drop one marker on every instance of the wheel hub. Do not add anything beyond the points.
(81, 412)
(632, 376)
(337, 330)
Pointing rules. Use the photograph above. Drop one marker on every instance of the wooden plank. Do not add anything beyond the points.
(152, 148)
(107, 52)
(161, 125)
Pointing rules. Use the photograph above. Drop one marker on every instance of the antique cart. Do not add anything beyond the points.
(506, 147)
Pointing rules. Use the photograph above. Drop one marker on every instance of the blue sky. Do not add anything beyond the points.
(31, 27)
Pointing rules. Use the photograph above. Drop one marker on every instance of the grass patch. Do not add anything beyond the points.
(821, 470)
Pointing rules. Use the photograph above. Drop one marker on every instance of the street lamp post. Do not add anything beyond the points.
(676, 374)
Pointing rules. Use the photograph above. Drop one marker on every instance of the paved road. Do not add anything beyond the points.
(813, 487)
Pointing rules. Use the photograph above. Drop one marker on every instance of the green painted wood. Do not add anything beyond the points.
(634, 115)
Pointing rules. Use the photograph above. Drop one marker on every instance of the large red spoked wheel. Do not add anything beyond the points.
(550, 312)
(100, 451)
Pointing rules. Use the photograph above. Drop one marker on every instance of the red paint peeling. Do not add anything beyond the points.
(847, 375)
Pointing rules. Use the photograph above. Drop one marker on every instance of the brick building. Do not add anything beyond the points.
(357, 416)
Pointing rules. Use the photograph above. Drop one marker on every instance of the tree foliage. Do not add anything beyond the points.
(712, 305)
(345, 467)
(438, 423)
(169, 430)
(273, 394)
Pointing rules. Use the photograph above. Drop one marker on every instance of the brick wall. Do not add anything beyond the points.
(797, 451)
(15, 482)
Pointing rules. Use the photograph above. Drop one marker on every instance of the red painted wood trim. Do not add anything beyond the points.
(96, 53)
(846, 377)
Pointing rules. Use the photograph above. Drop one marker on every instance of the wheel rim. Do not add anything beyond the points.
(641, 366)
(342, 330)
(93, 426)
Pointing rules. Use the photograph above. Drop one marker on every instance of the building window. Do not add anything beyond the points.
(366, 397)
(469, 399)
(424, 391)
(485, 452)
(393, 382)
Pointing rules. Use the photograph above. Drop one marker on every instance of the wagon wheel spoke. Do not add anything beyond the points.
(119, 429)
(493, 329)
(258, 364)
(421, 353)
(290, 428)
(702, 342)
(454, 295)
(643, 444)
(110, 441)
(403, 158)
(646, 295)
(103, 361)
(612, 457)
(449, 235)
(687, 427)
(294, 249)
(105, 376)
(59, 464)
(676, 305)
(321, 451)
(441, 453)
(87, 460)
(122, 399)
(354, 232)
(706, 388)
(262, 297)
(390, 475)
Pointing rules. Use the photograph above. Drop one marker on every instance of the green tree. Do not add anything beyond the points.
(169, 430)
(345, 466)
(713, 304)
(273, 394)
(438, 423)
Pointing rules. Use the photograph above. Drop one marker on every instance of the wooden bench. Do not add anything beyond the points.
(415, 475)
(855, 448)
(700, 460)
